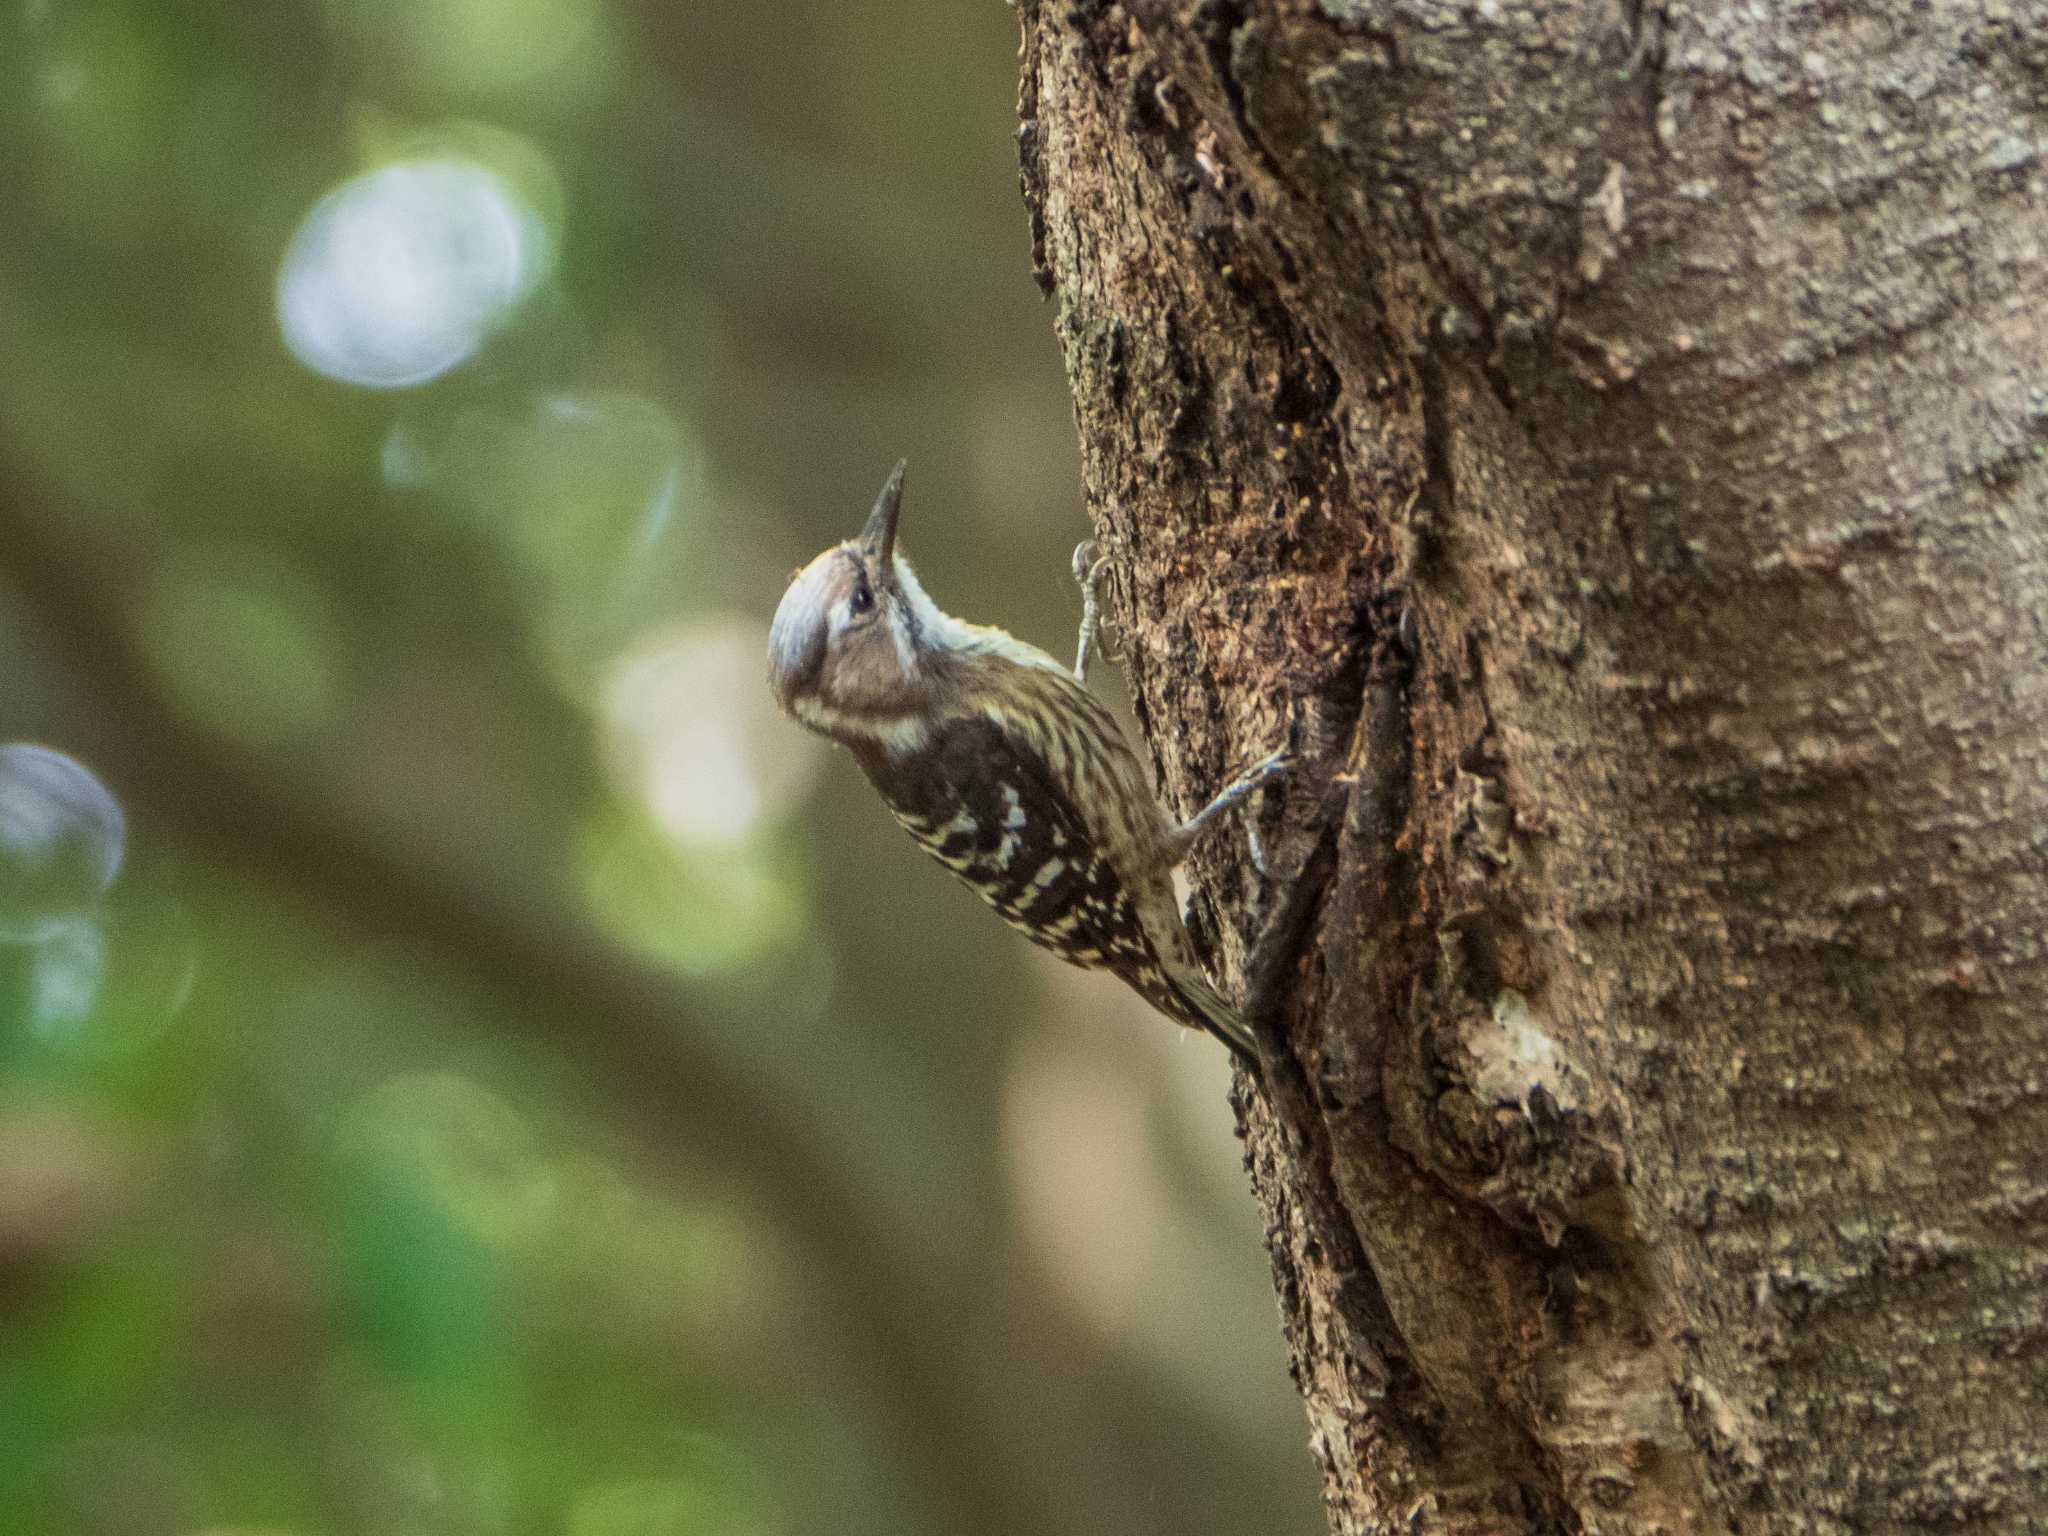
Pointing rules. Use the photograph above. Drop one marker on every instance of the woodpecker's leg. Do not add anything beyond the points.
(1235, 792)
(1088, 571)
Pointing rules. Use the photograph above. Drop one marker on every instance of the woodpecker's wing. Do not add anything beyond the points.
(982, 800)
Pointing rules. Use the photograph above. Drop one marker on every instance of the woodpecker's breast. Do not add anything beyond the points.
(986, 805)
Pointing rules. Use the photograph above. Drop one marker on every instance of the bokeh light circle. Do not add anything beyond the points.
(62, 835)
(696, 738)
(102, 988)
(401, 274)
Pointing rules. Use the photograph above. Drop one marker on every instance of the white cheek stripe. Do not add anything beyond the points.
(906, 658)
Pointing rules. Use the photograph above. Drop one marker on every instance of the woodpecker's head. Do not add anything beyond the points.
(854, 638)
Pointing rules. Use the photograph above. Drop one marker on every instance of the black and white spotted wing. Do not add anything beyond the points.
(985, 805)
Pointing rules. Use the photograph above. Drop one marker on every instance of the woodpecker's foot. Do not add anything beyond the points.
(1235, 793)
(1281, 762)
(1090, 565)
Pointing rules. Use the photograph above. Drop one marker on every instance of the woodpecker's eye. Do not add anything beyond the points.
(863, 598)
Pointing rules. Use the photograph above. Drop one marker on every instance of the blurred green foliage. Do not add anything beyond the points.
(474, 1068)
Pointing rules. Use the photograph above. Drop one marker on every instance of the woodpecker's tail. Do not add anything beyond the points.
(1206, 1009)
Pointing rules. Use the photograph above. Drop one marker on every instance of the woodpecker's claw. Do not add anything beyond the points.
(1277, 766)
(1235, 793)
(1087, 561)
(1089, 568)
(1282, 762)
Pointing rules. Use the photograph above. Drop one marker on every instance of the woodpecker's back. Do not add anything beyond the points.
(998, 762)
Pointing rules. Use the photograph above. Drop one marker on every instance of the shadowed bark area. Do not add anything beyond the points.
(1612, 435)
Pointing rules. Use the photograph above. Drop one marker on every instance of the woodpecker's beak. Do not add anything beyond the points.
(878, 538)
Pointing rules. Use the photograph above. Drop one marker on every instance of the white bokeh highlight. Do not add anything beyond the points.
(401, 274)
(62, 837)
(694, 735)
(68, 969)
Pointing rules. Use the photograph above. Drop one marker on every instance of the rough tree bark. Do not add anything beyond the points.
(1615, 432)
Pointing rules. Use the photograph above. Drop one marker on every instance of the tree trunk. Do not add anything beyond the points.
(1611, 436)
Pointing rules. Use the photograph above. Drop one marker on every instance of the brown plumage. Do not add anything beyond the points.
(1001, 765)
